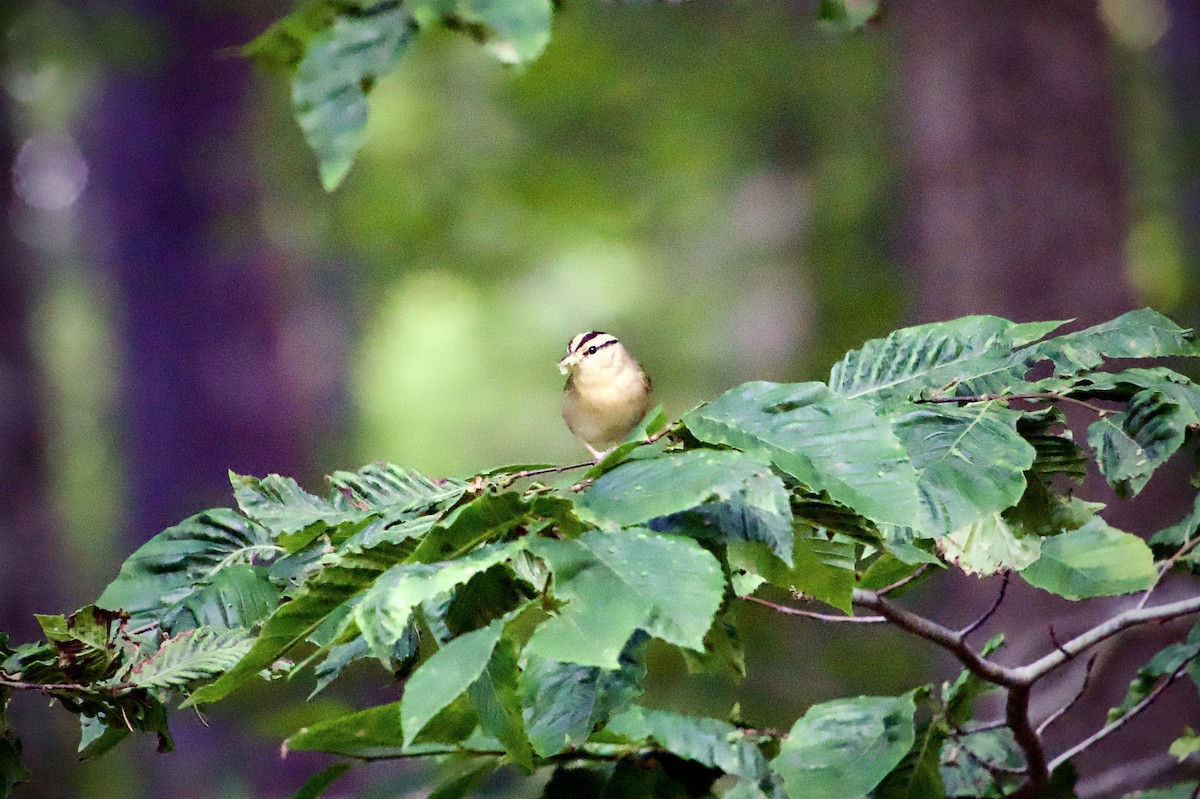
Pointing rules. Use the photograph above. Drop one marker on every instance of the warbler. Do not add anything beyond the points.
(607, 391)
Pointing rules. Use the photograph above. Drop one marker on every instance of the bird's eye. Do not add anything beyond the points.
(592, 350)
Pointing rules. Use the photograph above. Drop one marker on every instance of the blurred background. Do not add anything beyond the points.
(736, 190)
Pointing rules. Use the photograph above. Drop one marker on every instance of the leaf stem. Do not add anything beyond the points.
(1062, 711)
(810, 614)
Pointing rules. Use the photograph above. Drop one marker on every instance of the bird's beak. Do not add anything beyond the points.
(567, 363)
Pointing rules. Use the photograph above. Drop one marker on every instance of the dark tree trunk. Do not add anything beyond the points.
(28, 583)
(1016, 207)
(1017, 201)
(203, 301)
(216, 370)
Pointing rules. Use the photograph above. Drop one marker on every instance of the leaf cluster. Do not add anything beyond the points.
(515, 607)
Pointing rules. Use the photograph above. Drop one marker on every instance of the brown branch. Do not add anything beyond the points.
(1168, 564)
(810, 614)
(118, 688)
(1109, 729)
(1034, 671)
(944, 637)
(982, 620)
(1045, 396)
(1016, 713)
(1062, 711)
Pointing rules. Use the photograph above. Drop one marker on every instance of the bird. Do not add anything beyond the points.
(607, 391)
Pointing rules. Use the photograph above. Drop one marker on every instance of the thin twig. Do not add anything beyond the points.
(811, 614)
(1131, 618)
(903, 581)
(118, 688)
(505, 480)
(1109, 729)
(982, 620)
(1040, 395)
(1166, 567)
(1057, 645)
(1062, 711)
(985, 727)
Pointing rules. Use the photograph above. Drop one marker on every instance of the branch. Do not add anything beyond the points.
(1056, 715)
(1033, 672)
(982, 620)
(1016, 714)
(1109, 729)
(903, 581)
(944, 637)
(809, 614)
(1045, 396)
(1166, 567)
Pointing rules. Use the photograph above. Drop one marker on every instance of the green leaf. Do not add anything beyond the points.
(828, 443)
(317, 784)
(974, 353)
(445, 676)
(711, 742)
(1185, 745)
(485, 518)
(374, 732)
(1165, 662)
(86, 642)
(1095, 560)
(963, 772)
(514, 31)
(971, 462)
(382, 615)
(1183, 790)
(95, 737)
(959, 696)
(919, 774)
(615, 583)
(1143, 333)
(338, 581)
(12, 770)
(238, 596)
(474, 768)
(497, 703)
(641, 490)
(329, 89)
(386, 487)
(1131, 444)
(654, 421)
(564, 702)
(281, 46)
(283, 507)
(844, 748)
(189, 656)
(181, 558)
(990, 545)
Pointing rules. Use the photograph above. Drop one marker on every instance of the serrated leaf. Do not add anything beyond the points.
(283, 507)
(514, 31)
(496, 701)
(564, 702)
(974, 353)
(485, 518)
(182, 558)
(827, 442)
(1170, 540)
(844, 748)
(1131, 444)
(639, 491)
(317, 784)
(1144, 333)
(382, 615)
(710, 742)
(237, 596)
(330, 86)
(615, 583)
(191, 656)
(1095, 560)
(341, 579)
(445, 676)
(971, 462)
(387, 487)
(990, 545)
